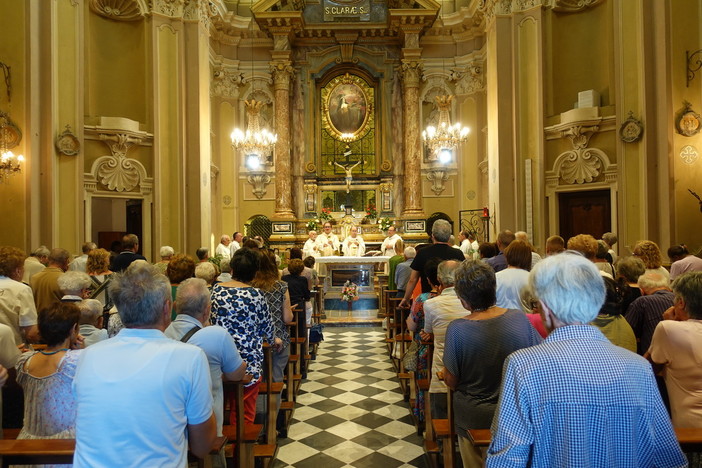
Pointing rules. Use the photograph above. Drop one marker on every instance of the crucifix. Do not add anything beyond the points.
(348, 170)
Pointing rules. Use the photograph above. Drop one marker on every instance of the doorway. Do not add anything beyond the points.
(112, 218)
(588, 212)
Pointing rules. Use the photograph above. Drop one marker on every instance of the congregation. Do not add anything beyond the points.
(576, 357)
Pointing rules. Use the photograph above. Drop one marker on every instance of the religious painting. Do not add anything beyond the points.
(347, 107)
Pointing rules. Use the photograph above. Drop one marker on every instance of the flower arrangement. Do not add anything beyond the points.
(371, 211)
(349, 292)
(385, 224)
(312, 224)
(325, 215)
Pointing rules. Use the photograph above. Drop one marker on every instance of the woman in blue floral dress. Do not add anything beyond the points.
(242, 310)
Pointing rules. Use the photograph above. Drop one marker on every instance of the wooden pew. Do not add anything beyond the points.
(60, 451)
(479, 437)
(36, 451)
(431, 447)
(297, 354)
(271, 392)
(403, 339)
(690, 439)
(444, 431)
(243, 435)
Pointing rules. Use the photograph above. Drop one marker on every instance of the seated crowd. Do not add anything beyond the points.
(579, 358)
(104, 330)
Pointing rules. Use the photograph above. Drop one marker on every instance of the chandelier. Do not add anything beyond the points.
(442, 139)
(10, 136)
(256, 144)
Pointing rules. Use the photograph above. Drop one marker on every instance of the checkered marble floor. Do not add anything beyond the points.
(350, 411)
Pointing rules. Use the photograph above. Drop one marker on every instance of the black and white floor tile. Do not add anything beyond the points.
(350, 410)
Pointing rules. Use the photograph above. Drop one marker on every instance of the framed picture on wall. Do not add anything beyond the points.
(282, 227)
(415, 226)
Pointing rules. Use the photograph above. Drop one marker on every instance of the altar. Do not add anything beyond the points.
(359, 270)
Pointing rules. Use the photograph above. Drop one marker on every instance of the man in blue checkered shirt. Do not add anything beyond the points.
(576, 400)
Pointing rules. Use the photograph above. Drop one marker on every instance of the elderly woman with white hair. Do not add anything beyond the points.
(476, 346)
(74, 285)
(166, 252)
(91, 322)
(206, 271)
(577, 399)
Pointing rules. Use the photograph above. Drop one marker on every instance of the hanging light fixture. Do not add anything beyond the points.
(255, 143)
(444, 138)
(10, 135)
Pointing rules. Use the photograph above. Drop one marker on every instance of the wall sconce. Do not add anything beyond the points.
(10, 135)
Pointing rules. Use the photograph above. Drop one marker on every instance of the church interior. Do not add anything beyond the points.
(181, 121)
(582, 117)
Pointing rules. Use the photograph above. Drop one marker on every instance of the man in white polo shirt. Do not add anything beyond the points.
(142, 398)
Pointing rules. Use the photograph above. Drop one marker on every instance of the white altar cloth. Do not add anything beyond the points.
(353, 260)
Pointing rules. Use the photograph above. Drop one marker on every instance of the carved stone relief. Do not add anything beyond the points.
(437, 177)
(469, 80)
(173, 8)
(226, 83)
(120, 10)
(118, 172)
(492, 8)
(411, 73)
(574, 6)
(582, 164)
(258, 183)
(200, 10)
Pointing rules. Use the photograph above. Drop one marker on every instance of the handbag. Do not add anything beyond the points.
(409, 360)
(316, 334)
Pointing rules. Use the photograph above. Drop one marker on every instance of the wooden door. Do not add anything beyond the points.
(587, 212)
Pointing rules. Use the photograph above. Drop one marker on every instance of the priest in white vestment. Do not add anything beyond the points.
(353, 245)
(328, 242)
(310, 247)
(223, 249)
(388, 245)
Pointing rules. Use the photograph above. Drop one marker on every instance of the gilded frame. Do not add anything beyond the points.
(347, 107)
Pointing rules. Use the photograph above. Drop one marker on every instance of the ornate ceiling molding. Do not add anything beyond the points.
(226, 82)
(574, 6)
(469, 78)
(120, 10)
(172, 8)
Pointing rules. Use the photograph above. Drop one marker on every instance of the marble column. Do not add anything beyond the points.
(411, 74)
(282, 74)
